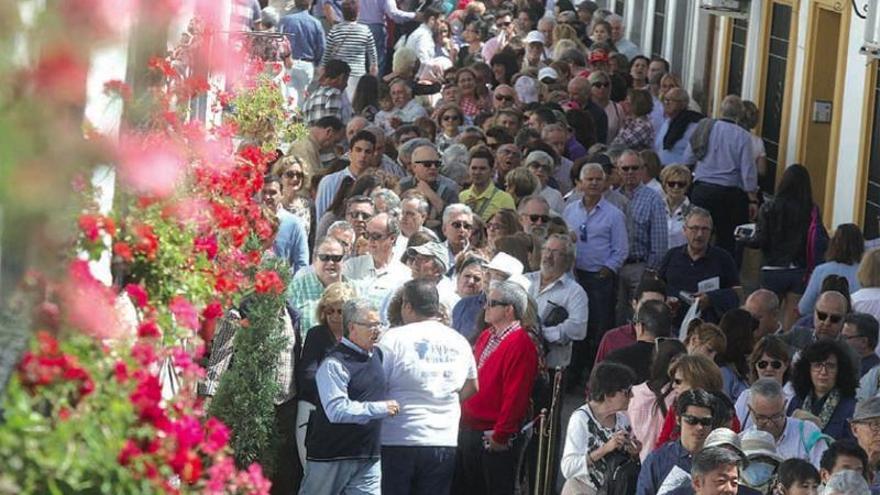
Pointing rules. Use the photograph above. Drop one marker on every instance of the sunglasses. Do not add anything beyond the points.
(335, 258)
(630, 169)
(762, 365)
(822, 316)
(429, 163)
(333, 311)
(539, 218)
(461, 225)
(676, 184)
(374, 236)
(290, 174)
(504, 97)
(697, 420)
(450, 118)
(491, 303)
(360, 215)
(600, 84)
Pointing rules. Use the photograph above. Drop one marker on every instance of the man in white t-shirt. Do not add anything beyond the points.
(429, 370)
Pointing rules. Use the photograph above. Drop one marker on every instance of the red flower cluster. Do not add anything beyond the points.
(49, 367)
(145, 241)
(91, 226)
(268, 282)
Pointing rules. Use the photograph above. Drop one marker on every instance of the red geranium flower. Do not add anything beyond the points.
(268, 281)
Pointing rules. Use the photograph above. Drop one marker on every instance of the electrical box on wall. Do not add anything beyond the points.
(729, 8)
(871, 44)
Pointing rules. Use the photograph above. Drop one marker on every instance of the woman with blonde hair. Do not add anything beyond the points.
(676, 180)
(502, 223)
(521, 182)
(867, 299)
(296, 196)
(319, 340)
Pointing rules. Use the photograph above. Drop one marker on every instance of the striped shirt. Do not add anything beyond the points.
(352, 43)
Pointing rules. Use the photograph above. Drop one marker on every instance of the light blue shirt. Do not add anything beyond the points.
(291, 241)
(306, 36)
(374, 12)
(332, 379)
(327, 189)
(814, 286)
(729, 160)
(601, 235)
(676, 154)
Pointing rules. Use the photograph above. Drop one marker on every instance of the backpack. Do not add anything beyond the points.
(817, 242)
(621, 474)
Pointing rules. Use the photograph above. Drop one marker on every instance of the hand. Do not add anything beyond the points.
(395, 122)
(393, 407)
(633, 446)
(703, 301)
(618, 440)
(497, 447)
(753, 211)
(806, 416)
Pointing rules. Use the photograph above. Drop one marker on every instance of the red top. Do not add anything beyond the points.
(505, 385)
(614, 339)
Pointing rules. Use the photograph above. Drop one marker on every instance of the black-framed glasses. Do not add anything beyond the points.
(335, 258)
(461, 225)
(827, 366)
(491, 303)
(697, 420)
(822, 316)
(290, 174)
(375, 236)
(763, 364)
(873, 424)
(429, 163)
(676, 184)
(369, 324)
(760, 418)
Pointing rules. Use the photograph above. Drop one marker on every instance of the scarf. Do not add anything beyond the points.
(831, 402)
(678, 126)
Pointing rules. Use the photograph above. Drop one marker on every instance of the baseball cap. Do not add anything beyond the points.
(598, 56)
(526, 89)
(535, 37)
(724, 437)
(758, 443)
(548, 73)
(506, 263)
(433, 249)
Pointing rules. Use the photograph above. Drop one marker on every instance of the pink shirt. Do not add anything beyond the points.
(646, 419)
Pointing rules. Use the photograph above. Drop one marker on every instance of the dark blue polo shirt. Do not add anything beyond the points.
(681, 273)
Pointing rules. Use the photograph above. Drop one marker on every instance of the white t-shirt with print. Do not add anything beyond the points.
(426, 364)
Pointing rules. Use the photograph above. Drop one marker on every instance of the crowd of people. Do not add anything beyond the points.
(496, 197)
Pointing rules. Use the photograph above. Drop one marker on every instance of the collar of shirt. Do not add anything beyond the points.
(351, 345)
(535, 279)
(500, 336)
(600, 204)
(632, 193)
(487, 193)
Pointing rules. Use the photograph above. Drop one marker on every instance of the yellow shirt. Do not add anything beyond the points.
(488, 202)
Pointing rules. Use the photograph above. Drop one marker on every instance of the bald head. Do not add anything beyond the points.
(763, 305)
(831, 308)
(354, 125)
(579, 90)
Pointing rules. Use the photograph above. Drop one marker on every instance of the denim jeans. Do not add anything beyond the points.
(301, 74)
(379, 36)
(351, 477)
(417, 470)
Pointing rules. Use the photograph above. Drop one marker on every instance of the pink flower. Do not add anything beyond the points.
(120, 371)
(148, 329)
(137, 294)
(150, 165)
(144, 354)
(219, 474)
(188, 432)
(89, 304)
(206, 244)
(184, 312)
(253, 477)
(216, 436)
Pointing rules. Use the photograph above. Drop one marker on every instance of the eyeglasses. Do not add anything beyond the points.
(359, 215)
(632, 168)
(375, 236)
(827, 366)
(461, 225)
(539, 218)
(600, 84)
(501, 97)
(502, 24)
(335, 258)
(822, 316)
(429, 163)
(449, 118)
(760, 418)
(369, 324)
(776, 365)
(333, 311)
(697, 420)
(290, 174)
(491, 303)
(873, 424)
(676, 184)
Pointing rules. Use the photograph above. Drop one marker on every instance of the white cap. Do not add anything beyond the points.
(535, 37)
(547, 73)
(506, 263)
(526, 89)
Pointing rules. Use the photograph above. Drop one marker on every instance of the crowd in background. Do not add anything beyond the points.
(498, 201)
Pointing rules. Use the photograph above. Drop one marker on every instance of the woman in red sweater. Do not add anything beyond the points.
(489, 440)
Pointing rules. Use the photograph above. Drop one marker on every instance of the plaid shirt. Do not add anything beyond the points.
(636, 134)
(222, 353)
(495, 340)
(304, 294)
(326, 101)
(646, 224)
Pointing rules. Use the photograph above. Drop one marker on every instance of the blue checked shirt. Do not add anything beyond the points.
(646, 224)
